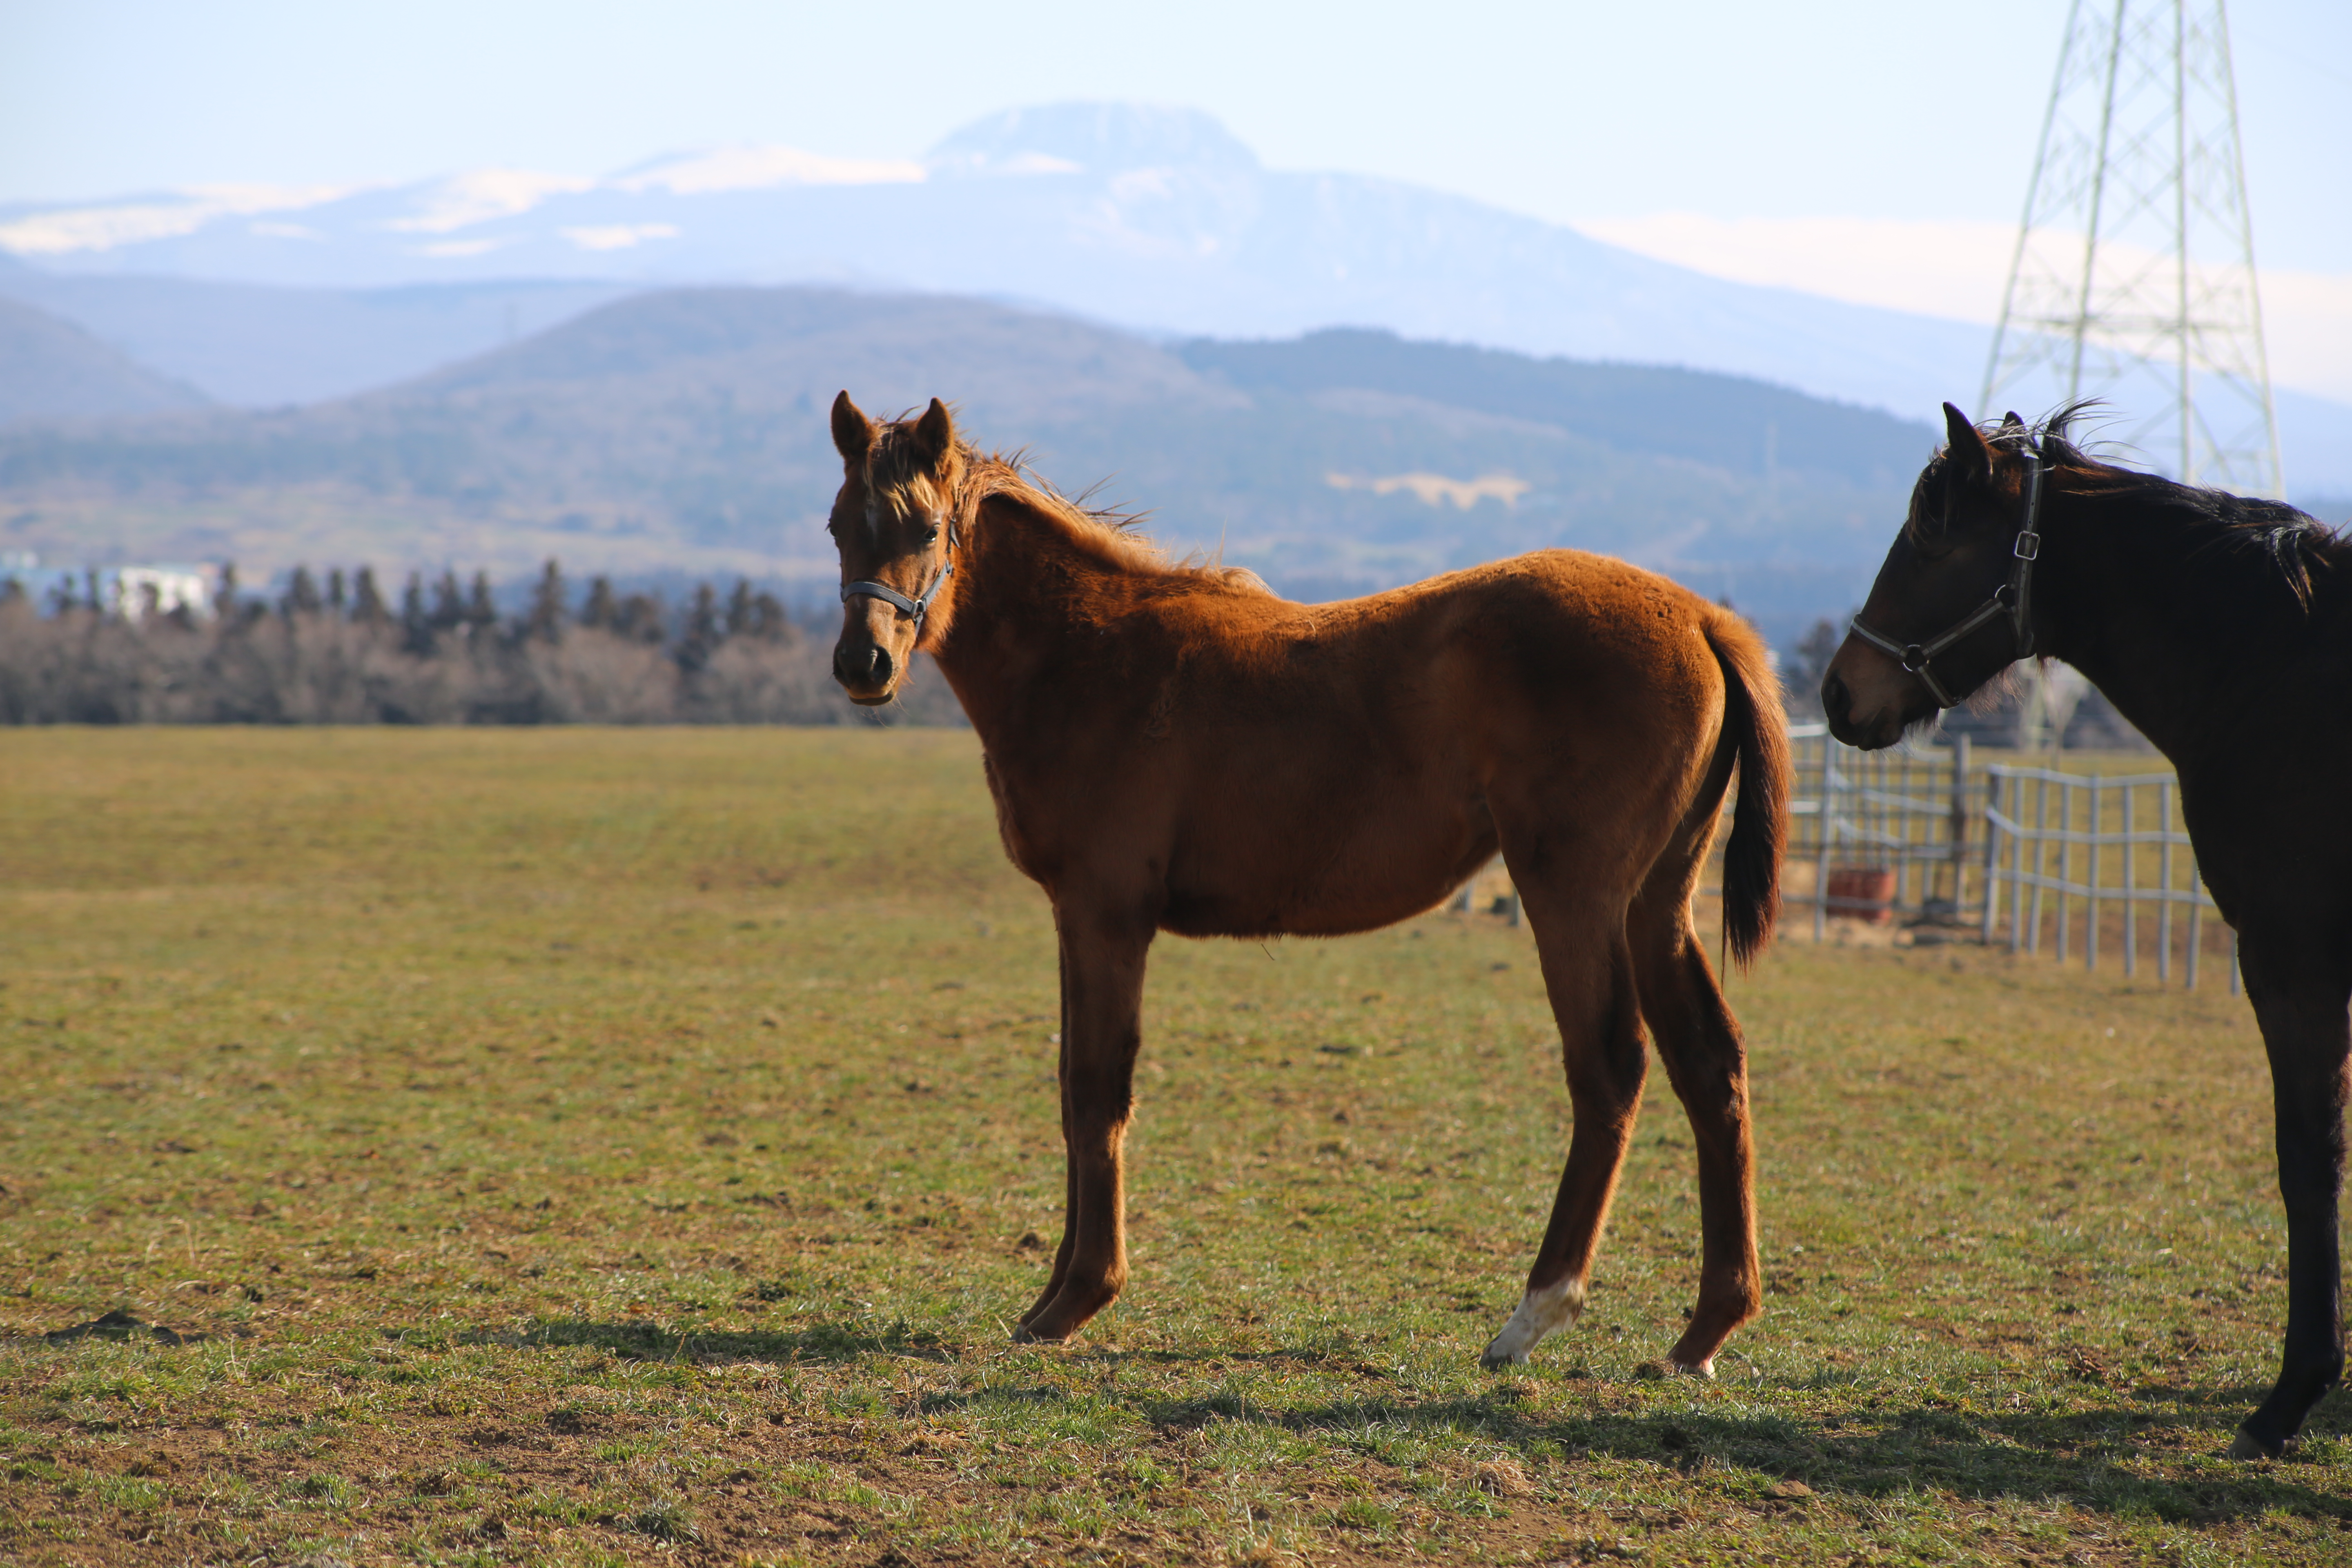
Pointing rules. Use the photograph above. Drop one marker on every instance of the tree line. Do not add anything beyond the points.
(337, 650)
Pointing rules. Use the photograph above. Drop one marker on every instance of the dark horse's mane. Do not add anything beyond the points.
(2250, 542)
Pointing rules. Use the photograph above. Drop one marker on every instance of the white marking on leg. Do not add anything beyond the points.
(1541, 1311)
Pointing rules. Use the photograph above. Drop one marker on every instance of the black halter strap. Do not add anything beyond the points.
(918, 606)
(2013, 598)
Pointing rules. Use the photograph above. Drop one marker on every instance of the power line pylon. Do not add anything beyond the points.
(2134, 277)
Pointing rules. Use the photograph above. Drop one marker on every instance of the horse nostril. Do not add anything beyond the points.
(1835, 698)
(867, 666)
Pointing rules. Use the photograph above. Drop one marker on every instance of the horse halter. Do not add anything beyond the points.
(2014, 598)
(918, 606)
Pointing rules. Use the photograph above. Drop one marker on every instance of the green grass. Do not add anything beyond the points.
(586, 1147)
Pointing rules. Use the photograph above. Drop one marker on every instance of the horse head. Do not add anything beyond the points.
(1950, 609)
(894, 522)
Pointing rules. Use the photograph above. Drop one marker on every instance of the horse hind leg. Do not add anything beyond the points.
(1589, 973)
(1706, 1061)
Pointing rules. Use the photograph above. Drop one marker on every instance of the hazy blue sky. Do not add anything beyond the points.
(1567, 111)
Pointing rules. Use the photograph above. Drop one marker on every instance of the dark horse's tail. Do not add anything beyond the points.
(1755, 725)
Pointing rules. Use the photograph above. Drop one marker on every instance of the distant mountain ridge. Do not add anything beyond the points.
(52, 369)
(685, 431)
(1156, 218)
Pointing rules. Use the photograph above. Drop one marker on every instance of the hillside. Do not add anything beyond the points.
(686, 430)
(51, 369)
(260, 346)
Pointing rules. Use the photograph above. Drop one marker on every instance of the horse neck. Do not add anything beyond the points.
(1017, 611)
(2128, 597)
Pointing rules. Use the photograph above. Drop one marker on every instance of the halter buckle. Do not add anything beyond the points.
(2028, 546)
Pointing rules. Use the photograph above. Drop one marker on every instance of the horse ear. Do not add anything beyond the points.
(2012, 421)
(1969, 454)
(853, 433)
(935, 432)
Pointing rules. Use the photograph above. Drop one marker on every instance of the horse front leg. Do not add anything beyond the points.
(1102, 1002)
(1061, 1269)
(2302, 1007)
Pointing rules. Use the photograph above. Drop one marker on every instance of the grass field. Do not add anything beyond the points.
(582, 1146)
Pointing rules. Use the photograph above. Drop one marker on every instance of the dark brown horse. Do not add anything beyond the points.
(1173, 748)
(2222, 627)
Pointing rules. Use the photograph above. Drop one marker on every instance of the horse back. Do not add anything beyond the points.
(1258, 766)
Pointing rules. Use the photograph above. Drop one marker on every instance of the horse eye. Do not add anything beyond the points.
(930, 535)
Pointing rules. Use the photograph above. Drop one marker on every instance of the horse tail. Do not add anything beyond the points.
(1755, 726)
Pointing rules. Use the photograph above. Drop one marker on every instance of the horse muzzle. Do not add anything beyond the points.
(866, 670)
(1867, 698)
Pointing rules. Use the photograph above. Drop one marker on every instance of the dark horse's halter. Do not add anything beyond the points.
(918, 606)
(2014, 597)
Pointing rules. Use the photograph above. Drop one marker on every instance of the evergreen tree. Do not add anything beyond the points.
(301, 595)
(601, 610)
(225, 595)
(702, 634)
(417, 626)
(367, 600)
(739, 608)
(640, 619)
(335, 590)
(769, 622)
(1812, 663)
(448, 604)
(481, 610)
(547, 604)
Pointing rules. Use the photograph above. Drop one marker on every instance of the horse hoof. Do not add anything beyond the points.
(1540, 1312)
(1666, 1366)
(2246, 1446)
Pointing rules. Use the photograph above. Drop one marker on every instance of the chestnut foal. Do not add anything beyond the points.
(1173, 748)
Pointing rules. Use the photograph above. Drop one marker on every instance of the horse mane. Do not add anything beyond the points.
(2247, 533)
(898, 470)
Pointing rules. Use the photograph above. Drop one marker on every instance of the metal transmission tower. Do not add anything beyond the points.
(2134, 277)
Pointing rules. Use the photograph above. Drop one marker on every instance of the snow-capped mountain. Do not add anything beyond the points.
(1156, 218)
(1152, 219)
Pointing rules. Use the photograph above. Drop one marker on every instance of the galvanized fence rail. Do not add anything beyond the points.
(2011, 849)
(1904, 810)
(2115, 839)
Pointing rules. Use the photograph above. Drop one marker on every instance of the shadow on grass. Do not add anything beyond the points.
(816, 1343)
(2082, 1457)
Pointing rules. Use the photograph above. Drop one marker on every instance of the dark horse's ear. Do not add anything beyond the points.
(934, 432)
(2012, 420)
(853, 433)
(1970, 457)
